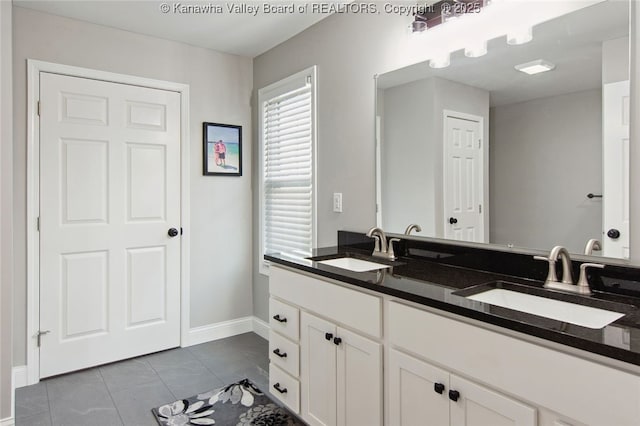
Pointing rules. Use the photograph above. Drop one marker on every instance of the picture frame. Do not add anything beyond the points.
(222, 149)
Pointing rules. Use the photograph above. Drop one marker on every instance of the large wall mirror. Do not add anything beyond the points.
(486, 150)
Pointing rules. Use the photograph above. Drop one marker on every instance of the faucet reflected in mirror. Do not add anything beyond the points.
(412, 227)
(528, 129)
(592, 245)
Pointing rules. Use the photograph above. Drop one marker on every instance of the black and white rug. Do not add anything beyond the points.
(240, 404)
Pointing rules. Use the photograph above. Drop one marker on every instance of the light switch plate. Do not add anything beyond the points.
(337, 202)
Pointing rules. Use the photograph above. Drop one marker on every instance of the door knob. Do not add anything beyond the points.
(453, 220)
(173, 232)
(438, 388)
(454, 395)
(613, 233)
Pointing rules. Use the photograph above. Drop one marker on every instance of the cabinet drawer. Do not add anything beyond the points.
(289, 358)
(360, 311)
(285, 319)
(289, 393)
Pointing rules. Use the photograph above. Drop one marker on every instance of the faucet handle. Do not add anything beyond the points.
(583, 281)
(376, 238)
(551, 275)
(390, 253)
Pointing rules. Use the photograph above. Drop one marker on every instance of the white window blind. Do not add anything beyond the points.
(287, 135)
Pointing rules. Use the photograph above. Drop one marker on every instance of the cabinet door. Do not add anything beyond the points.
(318, 370)
(413, 399)
(359, 380)
(479, 406)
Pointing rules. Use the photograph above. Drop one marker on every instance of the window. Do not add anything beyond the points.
(287, 135)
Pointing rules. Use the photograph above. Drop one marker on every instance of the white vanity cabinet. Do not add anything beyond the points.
(420, 393)
(341, 375)
(523, 382)
(332, 374)
(338, 331)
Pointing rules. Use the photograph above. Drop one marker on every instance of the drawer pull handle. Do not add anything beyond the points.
(328, 336)
(277, 318)
(337, 341)
(454, 395)
(438, 388)
(280, 354)
(279, 389)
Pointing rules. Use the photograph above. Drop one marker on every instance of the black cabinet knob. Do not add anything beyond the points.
(438, 388)
(280, 354)
(454, 395)
(279, 319)
(328, 336)
(279, 389)
(613, 233)
(453, 220)
(173, 232)
(337, 341)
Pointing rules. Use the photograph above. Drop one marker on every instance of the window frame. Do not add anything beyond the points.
(306, 76)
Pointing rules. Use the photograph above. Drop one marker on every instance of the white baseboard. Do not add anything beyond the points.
(221, 330)
(20, 376)
(9, 421)
(261, 328)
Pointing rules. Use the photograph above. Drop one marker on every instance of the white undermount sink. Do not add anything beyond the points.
(353, 264)
(584, 316)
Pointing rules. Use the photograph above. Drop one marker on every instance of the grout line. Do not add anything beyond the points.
(110, 396)
(163, 382)
(46, 388)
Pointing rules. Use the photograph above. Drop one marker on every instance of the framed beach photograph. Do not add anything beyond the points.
(222, 149)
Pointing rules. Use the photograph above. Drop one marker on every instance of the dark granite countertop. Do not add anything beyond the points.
(434, 283)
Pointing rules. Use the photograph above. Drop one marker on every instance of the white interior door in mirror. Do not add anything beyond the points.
(463, 177)
(615, 167)
(110, 190)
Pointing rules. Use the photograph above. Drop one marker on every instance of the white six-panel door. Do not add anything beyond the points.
(615, 165)
(463, 179)
(109, 192)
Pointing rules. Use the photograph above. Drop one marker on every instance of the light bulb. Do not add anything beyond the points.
(440, 61)
(520, 36)
(476, 50)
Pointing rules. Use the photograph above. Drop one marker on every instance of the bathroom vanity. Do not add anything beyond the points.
(403, 345)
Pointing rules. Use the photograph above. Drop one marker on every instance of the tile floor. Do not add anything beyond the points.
(123, 393)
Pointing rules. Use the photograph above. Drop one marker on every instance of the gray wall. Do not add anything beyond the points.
(615, 60)
(220, 90)
(407, 157)
(6, 249)
(546, 156)
(412, 149)
(348, 50)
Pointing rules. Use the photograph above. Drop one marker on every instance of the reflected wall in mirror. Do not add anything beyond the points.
(480, 151)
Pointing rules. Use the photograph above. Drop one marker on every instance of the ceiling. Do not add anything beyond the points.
(239, 32)
(572, 42)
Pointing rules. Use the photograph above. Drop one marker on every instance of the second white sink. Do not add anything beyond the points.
(572, 313)
(353, 264)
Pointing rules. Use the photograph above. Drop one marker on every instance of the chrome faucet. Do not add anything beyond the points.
(412, 227)
(382, 248)
(592, 245)
(582, 286)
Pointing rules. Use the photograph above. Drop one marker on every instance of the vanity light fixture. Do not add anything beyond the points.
(440, 61)
(520, 36)
(431, 15)
(535, 67)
